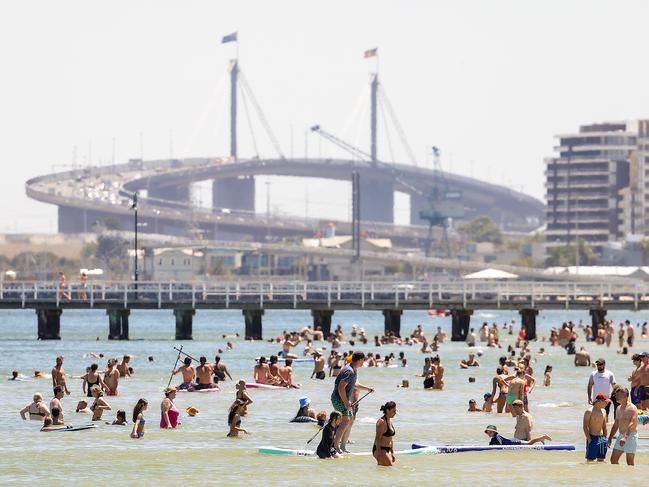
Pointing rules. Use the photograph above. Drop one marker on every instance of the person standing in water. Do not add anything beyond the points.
(220, 370)
(123, 366)
(326, 446)
(594, 425)
(168, 411)
(37, 409)
(138, 418)
(99, 405)
(237, 410)
(241, 392)
(346, 382)
(383, 449)
(318, 365)
(58, 375)
(56, 401)
(626, 421)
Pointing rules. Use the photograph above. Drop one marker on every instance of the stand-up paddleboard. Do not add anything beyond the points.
(303, 419)
(71, 428)
(468, 448)
(213, 389)
(271, 450)
(295, 360)
(254, 385)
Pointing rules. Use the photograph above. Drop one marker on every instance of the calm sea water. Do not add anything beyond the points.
(200, 452)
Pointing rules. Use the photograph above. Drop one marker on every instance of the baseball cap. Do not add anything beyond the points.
(602, 397)
(600, 361)
(491, 427)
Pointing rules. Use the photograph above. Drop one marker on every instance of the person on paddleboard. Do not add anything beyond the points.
(204, 375)
(326, 446)
(496, 439)
(188, 372)
(346, 382)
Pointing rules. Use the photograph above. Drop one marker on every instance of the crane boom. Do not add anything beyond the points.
(346, 146)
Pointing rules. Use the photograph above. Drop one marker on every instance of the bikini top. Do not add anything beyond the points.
(389, 428)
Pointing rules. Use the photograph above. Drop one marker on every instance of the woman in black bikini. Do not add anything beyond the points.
(383, 442)
(237, 410)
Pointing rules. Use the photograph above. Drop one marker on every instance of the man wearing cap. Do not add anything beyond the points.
(600, 382)
(594, 425)
(634, 379)
(497, 439)
(341, 397)
(318, 365)
(626, 421)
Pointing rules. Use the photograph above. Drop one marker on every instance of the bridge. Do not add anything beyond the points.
(458, 299)
(95, 194)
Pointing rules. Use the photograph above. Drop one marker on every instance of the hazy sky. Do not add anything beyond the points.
(489, 82)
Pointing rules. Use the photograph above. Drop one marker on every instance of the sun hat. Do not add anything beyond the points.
(491, 427)
(241, 385)
(304, 401)
(169, 390)
(191, 410)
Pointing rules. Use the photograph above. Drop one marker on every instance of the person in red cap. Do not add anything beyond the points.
(595, 429)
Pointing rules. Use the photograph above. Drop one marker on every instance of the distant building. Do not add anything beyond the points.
(596, 186)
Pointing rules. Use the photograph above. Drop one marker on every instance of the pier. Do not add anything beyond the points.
(458, 300)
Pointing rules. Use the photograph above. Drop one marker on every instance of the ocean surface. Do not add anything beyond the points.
(199, 452)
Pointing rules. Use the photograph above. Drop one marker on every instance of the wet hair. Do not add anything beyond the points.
(202, 360)
(121, 415)
(94, 367)
(387, 406)
(288, 362)
(47, 421)
(233, 409)
(334, 416)
(262, 360)
(217, 359)
(499, 370)
(56, 412)
(187, 361)
(273, 359)
(138, 408)
(547, 369)
(58, 389)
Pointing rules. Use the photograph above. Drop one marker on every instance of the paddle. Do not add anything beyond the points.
(177, 359)
(185, 354)
(352, 407)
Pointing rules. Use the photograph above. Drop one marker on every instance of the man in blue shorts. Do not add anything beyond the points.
(342, 394)
(594, 425)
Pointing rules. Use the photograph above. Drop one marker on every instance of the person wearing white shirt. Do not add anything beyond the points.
(601, 381)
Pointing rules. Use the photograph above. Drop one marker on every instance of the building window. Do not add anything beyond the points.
(173, 262)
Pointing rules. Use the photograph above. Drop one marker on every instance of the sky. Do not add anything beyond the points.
(488, 82)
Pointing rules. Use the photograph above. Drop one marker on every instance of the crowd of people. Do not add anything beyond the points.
(510, 389)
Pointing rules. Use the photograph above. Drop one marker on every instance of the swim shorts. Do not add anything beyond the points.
(629, 341)
(198, 387)
(510, 398)
(596, 448)
(643, 392)
(320, 375)
(636, 395)
(340, 407)
(630, 446)
(185, 385)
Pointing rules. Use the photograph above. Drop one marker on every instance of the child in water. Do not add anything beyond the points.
(326, 446)
(120, 420)
(547, 376)
(138, 418)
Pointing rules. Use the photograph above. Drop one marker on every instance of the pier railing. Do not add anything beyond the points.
(334, 294)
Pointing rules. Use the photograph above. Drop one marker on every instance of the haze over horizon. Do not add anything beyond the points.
(489, 83)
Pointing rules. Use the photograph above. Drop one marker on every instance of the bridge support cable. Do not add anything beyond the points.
(249, 121)
(397, 126)
(234, 76)
(356, 215)
(373, 115)
(262, 117)
(387, 132)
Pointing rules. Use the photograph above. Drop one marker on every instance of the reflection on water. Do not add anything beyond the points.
(200, 452)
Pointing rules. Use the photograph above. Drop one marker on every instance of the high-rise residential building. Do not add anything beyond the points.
(596, 186)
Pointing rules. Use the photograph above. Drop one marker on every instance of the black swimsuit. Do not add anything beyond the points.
(389, 432)
(89, 393)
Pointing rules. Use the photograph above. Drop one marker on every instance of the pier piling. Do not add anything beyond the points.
(253, 323)
(528, 320)
(49, 323)
(184, 323)
(392, 321)
(322, 319)
(118, 323)
(461, 320)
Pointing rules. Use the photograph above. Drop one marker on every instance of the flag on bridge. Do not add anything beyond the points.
(229, 38)
(371, 52)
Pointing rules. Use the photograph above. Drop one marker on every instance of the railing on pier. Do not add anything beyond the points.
(296, 294)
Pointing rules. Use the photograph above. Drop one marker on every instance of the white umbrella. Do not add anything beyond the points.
(491, 274)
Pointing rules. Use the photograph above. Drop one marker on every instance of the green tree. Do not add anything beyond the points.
(565, 256)
(481, 229)
(112, 252)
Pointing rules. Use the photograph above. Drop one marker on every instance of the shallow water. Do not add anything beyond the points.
(200, 452)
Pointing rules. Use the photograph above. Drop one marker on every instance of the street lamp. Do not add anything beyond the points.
(134, 208)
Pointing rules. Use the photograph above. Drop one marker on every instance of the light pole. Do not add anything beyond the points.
(134, 208)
